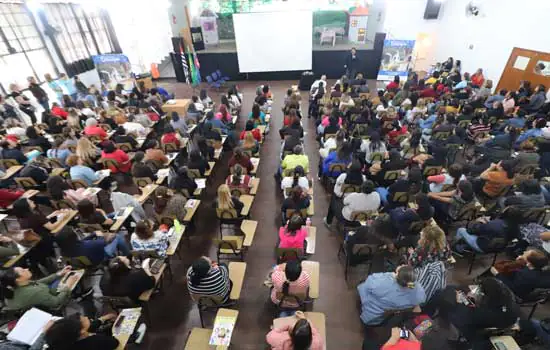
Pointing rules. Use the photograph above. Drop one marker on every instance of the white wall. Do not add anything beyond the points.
(500, 26)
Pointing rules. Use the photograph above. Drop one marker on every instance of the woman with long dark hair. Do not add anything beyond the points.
(373, 145)
(343, 155)
(300, 336)
(208, 278)
(289, 279)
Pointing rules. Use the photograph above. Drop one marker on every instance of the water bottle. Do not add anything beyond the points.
(308, 222)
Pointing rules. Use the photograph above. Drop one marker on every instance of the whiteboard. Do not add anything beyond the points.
(274, 41)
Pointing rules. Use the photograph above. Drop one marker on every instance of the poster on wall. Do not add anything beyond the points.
(396, 59)
(114, 69)
(209, 30)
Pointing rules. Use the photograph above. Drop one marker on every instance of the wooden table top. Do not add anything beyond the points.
(191, 209)
(69, 214)
(249, 229)
(11, 171)
(312, 267)
(146, 192)
(247, 201)
(126, 329)
(237, 271)
(254, 184)
(175, 240)
(14, 259)
(311, 239)
(145, 296)
(120, 219)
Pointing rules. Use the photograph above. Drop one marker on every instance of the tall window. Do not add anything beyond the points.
(78, 33)
(22, 51)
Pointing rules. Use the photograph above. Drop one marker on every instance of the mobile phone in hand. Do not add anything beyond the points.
(403, 333)
(119, 321)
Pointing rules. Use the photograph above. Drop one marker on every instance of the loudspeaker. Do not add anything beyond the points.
(198, 40)
(178, 68)
(432, 9)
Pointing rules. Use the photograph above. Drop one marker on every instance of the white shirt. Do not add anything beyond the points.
(360, 202)
(122, 200)
(329, 145)
(315, 85)
(287, 182)
(88, 112)
(340, 182)
(132, 127)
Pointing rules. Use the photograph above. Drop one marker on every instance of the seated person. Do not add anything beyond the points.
(197, 161)
(239, 157)
(92, 216)
(394, 162)
(87, 151)
(179, 124)
(166, 203)
(297, 158)
(140, 169)
(530, 197)
(111, 152)
(301, 335)
(34, 139)
(411, 185)
(124, 280)
(403, 218)
(452, 177)
(343, 156)
(79, 171)
(525, 274)
(10, 150)
(21, 293)
(58, 152)
(352, 176)
(297, 201)
(226, 201)
(92, 129)
(368, 200)
(209, 279)
(257, 116)
(210, 125)
(182, 182)
(249, 144)
(289, 279)
(223, 115)
(298, 178)
(238, 180)
(120, 136)
(97, 246)
(389, 291)
(493, 306)
(155, 153)
(450, 203)
(372, 146)
(36, 170)
(480, 234)
(293, 235)
(59, 189)
(145, 239)
(79, 332)
(249, 127)
(431, 247)
(171, 136)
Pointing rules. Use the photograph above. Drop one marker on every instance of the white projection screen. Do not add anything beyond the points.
(273, 41)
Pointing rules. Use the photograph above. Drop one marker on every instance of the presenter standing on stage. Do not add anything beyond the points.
(352, 64)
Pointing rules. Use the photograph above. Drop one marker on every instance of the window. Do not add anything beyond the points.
(79, 33)
(22, 51)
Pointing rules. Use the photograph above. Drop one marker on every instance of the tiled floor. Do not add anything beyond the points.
(174, 314)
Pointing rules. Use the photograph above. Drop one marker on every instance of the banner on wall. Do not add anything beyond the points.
(114, 69)
(396, 59)
(209, 28)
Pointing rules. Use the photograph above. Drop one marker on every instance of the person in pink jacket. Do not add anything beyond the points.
(300, 336)
(293, 235)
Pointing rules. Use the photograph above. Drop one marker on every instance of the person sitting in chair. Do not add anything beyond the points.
(206, 278)
(289, 279)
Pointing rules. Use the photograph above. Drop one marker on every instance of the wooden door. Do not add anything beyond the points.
(528, 65)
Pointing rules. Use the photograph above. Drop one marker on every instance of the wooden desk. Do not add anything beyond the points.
(312, 267)
(11, 171)
(256, 164)
(506, 340)
(146, 192)
(198, 339)
(123, 332)
(254, 183)
(311, 239)
(58, 171)
(209, 171)
(236, 275)
(120, 220)
(175, 240)
(14, 259)
(249, 229)
(191, 207)
(68, 215)
(162, 175)
(229, 314)
(180, 106)
(28, 194)
(102, 175)
(145, 296)
(247, 201)
(171, 157)
(79, 273)
(191, 129)
(311, 208)
(317, 319)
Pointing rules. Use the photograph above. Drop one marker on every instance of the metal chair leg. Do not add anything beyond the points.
(532, 311)
(472, 259)
(200, 316)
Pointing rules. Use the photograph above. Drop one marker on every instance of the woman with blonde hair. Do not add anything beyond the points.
(87, 151)
(226, 201)
(432, 246)
(249, 143)
(73, 119)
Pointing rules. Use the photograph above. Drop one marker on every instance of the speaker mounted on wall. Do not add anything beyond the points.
(432, 9)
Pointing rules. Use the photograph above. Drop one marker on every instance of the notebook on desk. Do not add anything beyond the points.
(30, 326)
(201, 183)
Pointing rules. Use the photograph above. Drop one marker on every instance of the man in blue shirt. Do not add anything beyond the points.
(535, 132)
(389, 291)
(495, 98)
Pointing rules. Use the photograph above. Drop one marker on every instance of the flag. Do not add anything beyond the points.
(195, 74)
(184, 64)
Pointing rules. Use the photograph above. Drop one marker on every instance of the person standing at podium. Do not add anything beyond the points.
(352, 63)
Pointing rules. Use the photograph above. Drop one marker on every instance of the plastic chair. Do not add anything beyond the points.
(212, 83)
(222, 77)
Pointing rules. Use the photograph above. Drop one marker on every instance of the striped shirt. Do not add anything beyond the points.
(216, 283)
(298, 287)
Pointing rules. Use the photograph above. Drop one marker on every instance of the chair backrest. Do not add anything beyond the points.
(26, 182)
(8, 163)
(377, 156)
(76, 184)
(126, 146)
(441, 135)
(361, 215)
(328, 136)
(89, 227)
(496, 244)
(109, 162)
(78, 262)
(214, 76)
(55, 163)
(464, 123)
(448, 187)
(361, 250)
(417, 226)
(226, 213)
(535, 215)
(335, 101)
(337, 167)
(27, 149)
(170, 147)
(229, 243)
(392, 175)
(301, 212)
(194, 173)
(166, 220)
(209, 79)
(528, 169)
(349, 188)
(142, 181)
(401, 138)
(364, 95)
(207, 301)
(95, 138)
(361, 130)
(401, 197)
(144, 254)
(288, 172)
(432, 170)
(237, 191)
(287, 254)
(294, 301)
(468, 212)
(61, 204)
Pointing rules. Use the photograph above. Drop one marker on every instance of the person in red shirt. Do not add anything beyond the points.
(478, 78)
(394, 85)
(429, 91)
(402, 340)
(170, 136)
(397, 130)
(255, 132)
(111, 152)
(291, 117)
(59, 111)
(92, 129)
(239, 157)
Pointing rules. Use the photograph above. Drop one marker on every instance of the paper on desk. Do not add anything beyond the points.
(201, 183)
(223, 329)
(163, 172)
(190, 203)
(103, 173)
(30, 326)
